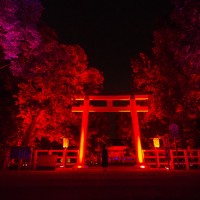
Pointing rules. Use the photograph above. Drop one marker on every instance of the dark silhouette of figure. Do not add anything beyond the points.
(104, 163)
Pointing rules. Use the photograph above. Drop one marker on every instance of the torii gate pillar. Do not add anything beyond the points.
(131, 107)
(83, 139)
(136, 131)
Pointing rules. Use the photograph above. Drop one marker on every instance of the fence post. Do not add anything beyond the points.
(198, 158)
(186, 160)
(50, 152)
(64, 157)
(157, 158)
(6, 158)
(35, 159)
(171, 159)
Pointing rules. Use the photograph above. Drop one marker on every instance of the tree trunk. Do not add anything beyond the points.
(30, 130)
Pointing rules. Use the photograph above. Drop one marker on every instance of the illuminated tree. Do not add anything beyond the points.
(19, 34)
(50, 73)
(124, 129)
(172, 73)
(8, 110)
(178, 52)
(19, 37)
(45, 99)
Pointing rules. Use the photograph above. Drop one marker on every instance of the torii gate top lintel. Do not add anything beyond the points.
(113, 97)
(110, 106)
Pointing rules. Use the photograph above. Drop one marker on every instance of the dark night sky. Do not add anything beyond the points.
(110, 32)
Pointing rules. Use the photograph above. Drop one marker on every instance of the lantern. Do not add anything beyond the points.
(65, 143)
(156, 142)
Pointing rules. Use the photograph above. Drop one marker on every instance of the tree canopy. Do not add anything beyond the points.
(171, 74)
(49, 74)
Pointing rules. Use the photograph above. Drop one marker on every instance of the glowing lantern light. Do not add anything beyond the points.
(65, 143)
(156, 142)
(142, 166)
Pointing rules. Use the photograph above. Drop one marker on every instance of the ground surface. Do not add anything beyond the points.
(118, 183)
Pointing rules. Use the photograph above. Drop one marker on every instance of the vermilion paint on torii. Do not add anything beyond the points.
(131, 107)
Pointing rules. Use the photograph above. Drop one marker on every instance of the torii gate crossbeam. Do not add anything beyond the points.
(131, 107)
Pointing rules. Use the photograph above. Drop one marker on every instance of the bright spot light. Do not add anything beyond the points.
(167, 168)
(142, 166)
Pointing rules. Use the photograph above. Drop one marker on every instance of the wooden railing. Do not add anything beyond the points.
(177, 159)
(64, 158)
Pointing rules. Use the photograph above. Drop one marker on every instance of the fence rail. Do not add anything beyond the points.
(63, 158)
(175, 159)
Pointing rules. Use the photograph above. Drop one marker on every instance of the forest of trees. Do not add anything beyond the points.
(40, 76)
(171, 74)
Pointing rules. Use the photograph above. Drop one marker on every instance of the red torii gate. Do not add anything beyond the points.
(131, 107)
